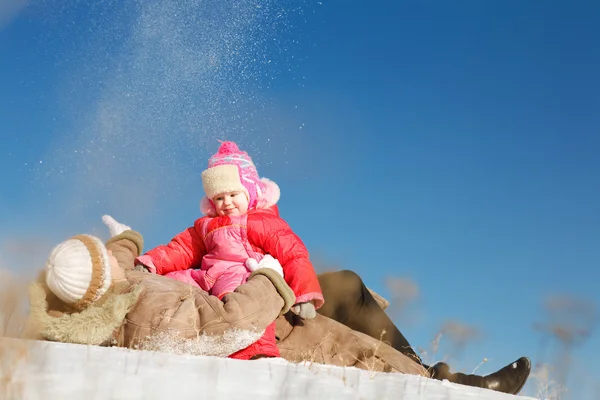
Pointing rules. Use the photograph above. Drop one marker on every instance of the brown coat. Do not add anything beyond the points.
(158, 313)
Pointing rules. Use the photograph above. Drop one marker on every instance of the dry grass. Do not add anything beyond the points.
(404, 295)
(567, 322)
(545, 387)
(458, 335)
(365, 357)
(12, 354)
(403, 291)
(14, 324)
(13, 305)
(371, 362)
(314, 355)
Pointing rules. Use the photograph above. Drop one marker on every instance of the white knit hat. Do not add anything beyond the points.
(78, 271)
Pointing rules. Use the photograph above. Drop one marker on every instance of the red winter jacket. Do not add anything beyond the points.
(253, 235)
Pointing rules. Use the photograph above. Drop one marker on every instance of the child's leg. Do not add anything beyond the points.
(266, 346)
(228, 282)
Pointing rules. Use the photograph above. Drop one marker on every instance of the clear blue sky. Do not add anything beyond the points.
(454, 144)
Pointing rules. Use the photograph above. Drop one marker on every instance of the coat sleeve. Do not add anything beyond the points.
(274, 236)
(126, 246)
(184, 251)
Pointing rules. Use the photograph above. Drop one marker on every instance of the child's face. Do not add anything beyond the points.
(231, 203)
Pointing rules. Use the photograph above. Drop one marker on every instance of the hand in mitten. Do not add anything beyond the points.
(305, 310)
(267, 262)
(115, 228)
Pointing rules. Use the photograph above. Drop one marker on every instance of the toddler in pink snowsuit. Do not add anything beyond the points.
(240, 230)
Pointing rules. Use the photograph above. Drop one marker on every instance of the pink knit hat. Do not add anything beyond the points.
(231, 169)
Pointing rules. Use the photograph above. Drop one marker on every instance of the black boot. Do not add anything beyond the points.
(509, 379)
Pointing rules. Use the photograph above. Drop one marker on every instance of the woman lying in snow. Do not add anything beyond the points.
(89, 294)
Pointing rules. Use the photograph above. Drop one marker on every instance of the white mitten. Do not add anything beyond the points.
(305, 310)
(267, 262)
(115, 228)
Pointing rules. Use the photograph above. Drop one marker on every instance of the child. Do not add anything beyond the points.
(241, 226)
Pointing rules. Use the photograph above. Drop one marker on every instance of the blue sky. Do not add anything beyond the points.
(453, 144)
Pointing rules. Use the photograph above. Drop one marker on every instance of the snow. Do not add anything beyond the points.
(45, 370)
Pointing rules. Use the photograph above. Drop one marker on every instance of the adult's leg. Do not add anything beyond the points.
(348, 301)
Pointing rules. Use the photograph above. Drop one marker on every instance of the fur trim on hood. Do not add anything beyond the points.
(94, 325)
(268, 199)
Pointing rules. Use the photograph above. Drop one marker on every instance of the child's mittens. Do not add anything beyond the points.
(115, 228)
(305, 310)
(267, 262)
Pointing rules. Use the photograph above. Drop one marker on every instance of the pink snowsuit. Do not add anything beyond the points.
(223, 267)
(220, 246)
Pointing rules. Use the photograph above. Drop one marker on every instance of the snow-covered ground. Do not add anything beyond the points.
(43, 370)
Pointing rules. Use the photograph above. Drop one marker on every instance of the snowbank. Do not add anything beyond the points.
(43, 370)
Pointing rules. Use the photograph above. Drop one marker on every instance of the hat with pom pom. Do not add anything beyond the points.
(78, 271)
(231, 169)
